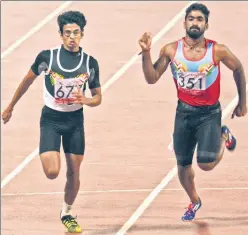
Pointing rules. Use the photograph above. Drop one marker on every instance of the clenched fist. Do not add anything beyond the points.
(239, 111)
(145, 41)
(6, 115)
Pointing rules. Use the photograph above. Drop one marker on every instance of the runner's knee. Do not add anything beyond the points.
(72, 174)
(52, 173)
(206, 166)
(206, 160)
(182, 170)
(73, 166)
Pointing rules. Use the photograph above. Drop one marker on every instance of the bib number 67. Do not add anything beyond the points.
(65, 91)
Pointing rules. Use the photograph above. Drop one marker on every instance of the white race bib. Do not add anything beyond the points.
(191, 81)
(63, 89)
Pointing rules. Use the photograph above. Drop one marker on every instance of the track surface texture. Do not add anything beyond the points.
(127, 137)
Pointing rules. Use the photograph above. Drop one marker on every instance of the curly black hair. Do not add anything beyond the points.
(71, 17)
(198, 7)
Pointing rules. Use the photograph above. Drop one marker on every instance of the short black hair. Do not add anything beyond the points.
(71, 17)
(198, 7)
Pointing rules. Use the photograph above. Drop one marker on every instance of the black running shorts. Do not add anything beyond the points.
(68, 125)
(199, 126)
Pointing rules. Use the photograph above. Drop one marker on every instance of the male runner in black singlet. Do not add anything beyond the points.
(68, 69)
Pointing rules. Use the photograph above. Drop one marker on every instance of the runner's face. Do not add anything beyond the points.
(195, 24)
(71, 36)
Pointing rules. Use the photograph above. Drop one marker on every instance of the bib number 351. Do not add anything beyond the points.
(192, 82)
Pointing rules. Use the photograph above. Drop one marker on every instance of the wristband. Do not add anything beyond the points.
(144, 51)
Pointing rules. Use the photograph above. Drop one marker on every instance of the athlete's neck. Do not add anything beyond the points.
(73, 49)
(193, 43)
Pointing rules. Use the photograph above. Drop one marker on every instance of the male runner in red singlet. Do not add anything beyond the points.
(194, 62)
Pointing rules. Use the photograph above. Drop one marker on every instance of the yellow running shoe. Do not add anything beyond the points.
(71, 224)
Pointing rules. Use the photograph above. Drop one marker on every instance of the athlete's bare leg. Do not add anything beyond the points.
(72, 180)
(51, 164)
(186, 176)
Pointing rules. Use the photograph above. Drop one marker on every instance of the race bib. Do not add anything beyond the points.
(63, 89)
(191, 81)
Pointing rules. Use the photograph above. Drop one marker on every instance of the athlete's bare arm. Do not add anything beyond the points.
(22, 88)
(92, 102)
(96, 97)
(224, 55)
(153, 72)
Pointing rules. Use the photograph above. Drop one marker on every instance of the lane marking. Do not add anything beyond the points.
(147, 202)
(117, 191)
(35, 29)
(19, 168)
(170, 146)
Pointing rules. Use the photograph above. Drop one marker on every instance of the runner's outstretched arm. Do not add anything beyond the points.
(20, 91)
(234, 64)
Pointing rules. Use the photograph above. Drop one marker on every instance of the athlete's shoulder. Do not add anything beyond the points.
(92, 58)
(217, 46)
(170, 46)
(169, 49)
(41, 62)
(220, 49)
(93, 62)
(43, 56)
(44, 53)
(94, 80)
(86, 55)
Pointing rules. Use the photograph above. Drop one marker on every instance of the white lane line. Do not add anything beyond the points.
(117, 191)
(170, 146)
(147, 202)
(113, 79)
(19, 168)
(36, 28)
